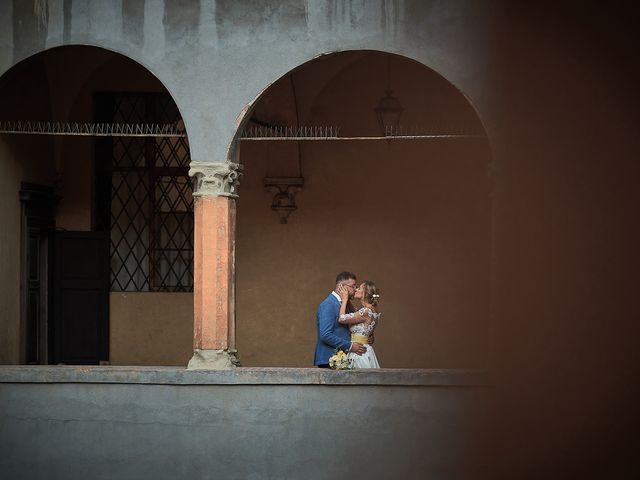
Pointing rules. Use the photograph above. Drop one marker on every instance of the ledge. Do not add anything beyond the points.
(241, 376)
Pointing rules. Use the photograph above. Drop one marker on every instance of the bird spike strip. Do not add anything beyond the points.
(92, 129)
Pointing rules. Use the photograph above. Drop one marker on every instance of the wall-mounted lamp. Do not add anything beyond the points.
(284, 198)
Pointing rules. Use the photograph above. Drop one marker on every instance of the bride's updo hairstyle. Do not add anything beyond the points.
(371, 293)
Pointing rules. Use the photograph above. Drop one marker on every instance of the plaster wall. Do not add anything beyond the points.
(428, 253)
(414, 216)
(22, 159)
(150, 328)
(240, 426)
(12, 172)
(10, 251)
(201, 51)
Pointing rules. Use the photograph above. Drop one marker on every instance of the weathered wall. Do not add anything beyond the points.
(202, 51)
(150, 328)
(237, 425)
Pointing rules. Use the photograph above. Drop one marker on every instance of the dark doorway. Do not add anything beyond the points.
(38, 204)
(79, 327)
(65, 287)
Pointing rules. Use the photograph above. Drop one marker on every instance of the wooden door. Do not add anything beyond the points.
(38, 204)
(80, 298)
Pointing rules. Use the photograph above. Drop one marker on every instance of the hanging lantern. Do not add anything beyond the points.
(388, 113)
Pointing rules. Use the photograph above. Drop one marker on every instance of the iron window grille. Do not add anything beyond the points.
(144, 196)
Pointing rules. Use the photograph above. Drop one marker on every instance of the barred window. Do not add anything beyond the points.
(144, 197)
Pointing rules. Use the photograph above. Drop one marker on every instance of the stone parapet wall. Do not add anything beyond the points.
(242, 376)
(115, 422)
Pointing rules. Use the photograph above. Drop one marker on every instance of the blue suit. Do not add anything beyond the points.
(331, 334)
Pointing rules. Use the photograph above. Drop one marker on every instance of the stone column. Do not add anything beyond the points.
(215, 186)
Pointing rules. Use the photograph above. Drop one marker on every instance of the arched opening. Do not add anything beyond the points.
(412, 212)
(97, 234)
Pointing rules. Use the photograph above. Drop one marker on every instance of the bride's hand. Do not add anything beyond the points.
(343, 292)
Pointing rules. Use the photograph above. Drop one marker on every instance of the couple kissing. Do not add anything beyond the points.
(341, 327)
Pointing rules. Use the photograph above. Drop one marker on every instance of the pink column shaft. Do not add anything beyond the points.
(213, 265)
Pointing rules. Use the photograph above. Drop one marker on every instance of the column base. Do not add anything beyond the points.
(213, 360)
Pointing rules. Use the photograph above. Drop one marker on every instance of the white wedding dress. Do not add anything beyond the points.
(368, 359)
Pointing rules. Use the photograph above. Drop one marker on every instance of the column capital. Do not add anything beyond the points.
(219, 179)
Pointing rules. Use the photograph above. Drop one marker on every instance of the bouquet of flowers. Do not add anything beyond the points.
(340, 361)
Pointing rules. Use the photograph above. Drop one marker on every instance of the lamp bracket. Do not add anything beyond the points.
(284, 191)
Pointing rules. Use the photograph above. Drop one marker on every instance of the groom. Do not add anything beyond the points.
(331, 334)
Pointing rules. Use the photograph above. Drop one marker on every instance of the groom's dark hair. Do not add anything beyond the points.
(345, 276)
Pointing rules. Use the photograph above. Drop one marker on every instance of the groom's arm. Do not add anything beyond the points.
(326, 325)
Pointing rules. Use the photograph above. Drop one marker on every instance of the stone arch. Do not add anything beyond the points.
(204, 55)
(138, 59)
(244, 116)
(446, 197)
(68, 78)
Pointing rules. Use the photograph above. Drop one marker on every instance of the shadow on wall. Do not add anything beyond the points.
(566, 339)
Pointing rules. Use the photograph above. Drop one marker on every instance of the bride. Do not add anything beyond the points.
(361, 323)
